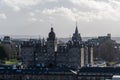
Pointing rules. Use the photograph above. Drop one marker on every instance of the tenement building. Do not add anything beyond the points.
(75, 53)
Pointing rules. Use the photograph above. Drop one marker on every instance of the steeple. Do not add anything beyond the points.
(76, 30)
(76, 35)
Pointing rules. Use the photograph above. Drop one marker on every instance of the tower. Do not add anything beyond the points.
(76, 35)
(90, 55)
(76, 51)
(51, 47)
(82, 56)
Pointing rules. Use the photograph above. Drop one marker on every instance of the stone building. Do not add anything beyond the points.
(6, 39)
(51, 47)
(75, 53)
(27, 49)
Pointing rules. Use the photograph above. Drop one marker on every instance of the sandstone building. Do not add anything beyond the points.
(75, 53)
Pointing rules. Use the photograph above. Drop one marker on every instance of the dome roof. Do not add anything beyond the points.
(51, 35)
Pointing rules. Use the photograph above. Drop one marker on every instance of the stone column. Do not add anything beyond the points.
(82, 58)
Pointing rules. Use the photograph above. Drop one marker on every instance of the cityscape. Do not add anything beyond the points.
(59, 40)
(53, 59)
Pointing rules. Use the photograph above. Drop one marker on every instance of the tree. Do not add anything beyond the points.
(106, 51)
(10, 50)
(3, 54)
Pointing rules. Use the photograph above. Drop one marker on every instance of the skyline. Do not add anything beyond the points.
(34, 17)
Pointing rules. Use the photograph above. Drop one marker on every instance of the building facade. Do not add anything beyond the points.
(75, 53)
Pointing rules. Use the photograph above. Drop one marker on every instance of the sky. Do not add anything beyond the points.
(35, 17)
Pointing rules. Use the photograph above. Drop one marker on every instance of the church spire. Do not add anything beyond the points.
(76, 30)
(76, 35)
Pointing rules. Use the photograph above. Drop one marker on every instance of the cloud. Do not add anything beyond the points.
(92, 4)
(86, 10)
(18, 4)
(75, 14)
(32, 14)
(96, 14)
(62, 11)
(33, 19)
(98, 9)
(3, 16)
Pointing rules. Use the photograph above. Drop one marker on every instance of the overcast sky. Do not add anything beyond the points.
(34, 17)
